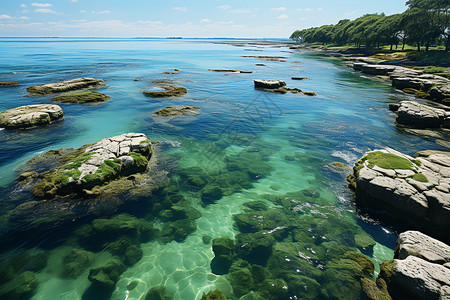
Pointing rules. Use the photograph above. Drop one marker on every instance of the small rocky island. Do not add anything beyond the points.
(177, 110)
(413, 190)
(279, 87)
(65, 86)
(168, 91)
(30, 115)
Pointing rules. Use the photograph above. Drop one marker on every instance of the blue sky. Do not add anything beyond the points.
(214, 18)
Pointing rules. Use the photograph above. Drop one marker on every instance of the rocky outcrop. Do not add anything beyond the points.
(177, 110)
(269, 84)
(65, 86)
(415, 243)
(299, 78)
(418, 270)
(421, 116)
(8, 84)
(413, 191)
(30, 115)
(82, 97)
(169, 91)
(426, 86)
(230, 71)
(96, 164)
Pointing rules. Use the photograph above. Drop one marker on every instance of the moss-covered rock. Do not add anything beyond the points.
(65, 86)
(375, 291)
(169, 91)
(177, 110)
(30, 115)
(132, 255)
(107, 275)
(87, 97)
(158, 293)
(76, 262)
(95, 165)
(224, 251)
(8, 84)
(22, 287)
(214, 295)
(211, 193)
(178, 230)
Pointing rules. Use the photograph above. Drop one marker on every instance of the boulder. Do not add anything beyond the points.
(81, 97)
(269, 84)
(76, 262)
(415, 191)
(97, 164)
(422, 246)
(107, 275)
(177, 110)
(421, 116)
(357, 66)
(299, 78)
(65, 86)
(158, 293)
(440, 93)
(415, 278)
(30, 115)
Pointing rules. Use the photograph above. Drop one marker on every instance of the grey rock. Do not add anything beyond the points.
(377, 69)
(269, 84)
(65, 86)
(422, 246)
(419, 115)
(30, 115)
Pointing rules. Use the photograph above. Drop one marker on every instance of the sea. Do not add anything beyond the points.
(260, 148)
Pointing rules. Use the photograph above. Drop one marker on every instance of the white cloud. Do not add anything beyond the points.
(150, 22)
(23, 5)
(240, 11)
(179, 8)
(305, 9)
(350, 13)
(279, 8)
(205, 21)
(99, 12)
(5, 17)
(45, 11)
(82, 11)
(82, 20)
(24, 18)
(283, 16)
(320, 9)
(303, 19)
(74, 0)
(24, 11)
(41, 4)
(226, 23)
(224, 7)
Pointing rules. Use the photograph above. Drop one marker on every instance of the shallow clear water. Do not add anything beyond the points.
(295, 136)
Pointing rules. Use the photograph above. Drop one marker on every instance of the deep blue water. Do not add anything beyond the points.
(300, 136)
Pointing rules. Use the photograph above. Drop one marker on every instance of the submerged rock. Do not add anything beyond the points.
(230, 71)
(76, 262)
(8, 84)
(421, 116)
(416, 191)
(65, 86)
(213, 295)
(299, 78)
(158, 293)
(268, 58)
(30, 115)
(169, 91)
(178, 110)
(107, 275)
(82, 97)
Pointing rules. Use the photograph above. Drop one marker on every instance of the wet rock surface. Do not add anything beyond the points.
(65, 86)
(413, 190)
(82, 97)
(168, 91)
(30, 115)
(177, 110)
(8, 84)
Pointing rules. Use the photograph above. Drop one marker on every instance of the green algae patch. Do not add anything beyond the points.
(388, 161)
(82, 97)
(214, 295)
(8, 84)
(419, 177)
(169, 91)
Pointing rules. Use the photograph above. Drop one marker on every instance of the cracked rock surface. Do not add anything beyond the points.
(65, 86)
(421, 116)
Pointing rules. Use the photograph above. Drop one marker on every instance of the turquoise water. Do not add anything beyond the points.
(290, 140)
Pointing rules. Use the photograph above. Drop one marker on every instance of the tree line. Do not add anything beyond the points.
(424, 23)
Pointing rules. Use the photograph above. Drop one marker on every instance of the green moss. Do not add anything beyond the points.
(8, 84)
(169, 91)
(158, 293)
(419, 177)
(139, 160)
(388, 161)
(145, 141)
(44, 116)
(433, 69)
(82, 97)
(214, 295)
(75, 174)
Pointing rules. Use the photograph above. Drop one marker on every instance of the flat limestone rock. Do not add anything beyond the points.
(65, 86)
(177, 110)
(422, 246)
(421, 116)
(169, 91)
(413, 190)
(30, 115)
